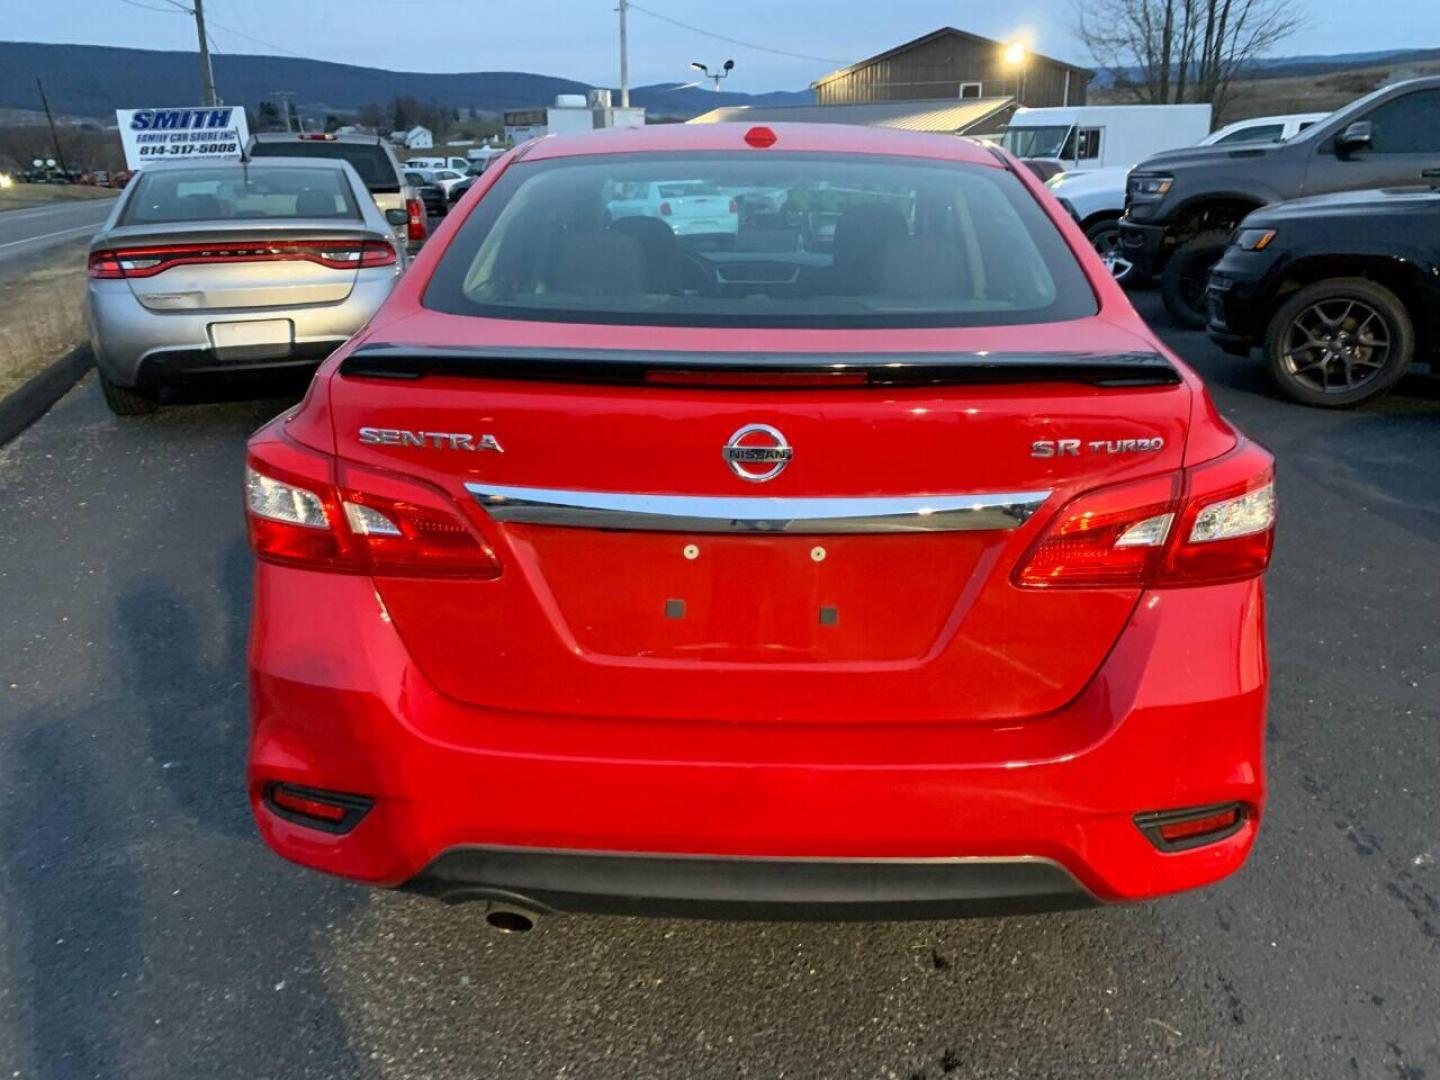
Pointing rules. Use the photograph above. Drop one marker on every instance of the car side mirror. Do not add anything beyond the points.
(1358, 136)
(397, 217)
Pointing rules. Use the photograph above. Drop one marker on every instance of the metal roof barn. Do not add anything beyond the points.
(951, 63)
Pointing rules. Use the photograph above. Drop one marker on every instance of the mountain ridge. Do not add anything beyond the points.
(94, 80)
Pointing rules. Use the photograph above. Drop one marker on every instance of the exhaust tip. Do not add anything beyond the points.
(509, 921)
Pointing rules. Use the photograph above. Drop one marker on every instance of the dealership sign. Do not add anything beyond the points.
(181, 134)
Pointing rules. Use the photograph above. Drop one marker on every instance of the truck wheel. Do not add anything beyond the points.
(1337, 343)
(1104, 237)
(127, 401)
(1182, 283)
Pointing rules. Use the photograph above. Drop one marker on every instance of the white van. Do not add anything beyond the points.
(1078, 137)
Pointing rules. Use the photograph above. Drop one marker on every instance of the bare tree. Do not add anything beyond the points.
(1163, 51)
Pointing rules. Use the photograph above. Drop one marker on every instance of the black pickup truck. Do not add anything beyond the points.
(1341, 291)
(1182, 206)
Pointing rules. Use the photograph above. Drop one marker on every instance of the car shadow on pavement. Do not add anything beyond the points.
(150, 931)
(190, 681)
(285, 387)
(62, 916)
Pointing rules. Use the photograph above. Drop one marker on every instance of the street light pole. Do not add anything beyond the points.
(716, 76)
(1015, 56)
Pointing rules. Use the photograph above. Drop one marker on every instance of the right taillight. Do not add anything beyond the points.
(1209, 524)
(370, 523)
(1226, 529)
(415, 219)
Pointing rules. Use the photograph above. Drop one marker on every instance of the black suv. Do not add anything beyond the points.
(1181, 206)
(1342, 291)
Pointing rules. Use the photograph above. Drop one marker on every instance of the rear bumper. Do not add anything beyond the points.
(136, 346)
(749, 888)
(465, 796)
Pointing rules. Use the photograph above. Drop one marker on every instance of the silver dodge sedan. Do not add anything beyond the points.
(217, 267)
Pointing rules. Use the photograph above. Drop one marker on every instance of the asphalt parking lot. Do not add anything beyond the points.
(149, 933)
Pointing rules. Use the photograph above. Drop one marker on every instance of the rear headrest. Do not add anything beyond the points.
(199, 207)
(314, 204)
(599, 264)
(924, 267)
(659, 246)
(860, 235)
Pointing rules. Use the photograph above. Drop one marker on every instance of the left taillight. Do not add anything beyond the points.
(368, 523)
(1209, 524)
(415, 219)
(105, 264)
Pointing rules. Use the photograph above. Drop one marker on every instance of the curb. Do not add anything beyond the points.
(22, 407)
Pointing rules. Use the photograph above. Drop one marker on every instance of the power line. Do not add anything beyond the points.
(734, 41)
(259, 41)
(172, 9)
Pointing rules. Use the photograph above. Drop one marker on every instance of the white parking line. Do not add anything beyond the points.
(51, 236)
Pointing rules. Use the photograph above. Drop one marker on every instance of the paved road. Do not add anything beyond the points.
(148, 934)
(38, 227)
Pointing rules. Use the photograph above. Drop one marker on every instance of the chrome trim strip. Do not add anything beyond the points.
(741, 514)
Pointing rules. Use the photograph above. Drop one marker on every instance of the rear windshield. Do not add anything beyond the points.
(369, 159)
(778, 240)
(237, 192)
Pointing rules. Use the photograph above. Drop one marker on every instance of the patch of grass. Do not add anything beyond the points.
(42, 313)
(22, 195)
(1312, 92)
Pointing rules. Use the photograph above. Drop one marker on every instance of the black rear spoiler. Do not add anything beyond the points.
(778, 370)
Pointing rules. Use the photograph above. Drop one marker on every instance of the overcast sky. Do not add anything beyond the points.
(577, 38)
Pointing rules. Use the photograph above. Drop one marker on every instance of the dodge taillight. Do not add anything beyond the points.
(149, 260)
(1209, 524)
(361, 522)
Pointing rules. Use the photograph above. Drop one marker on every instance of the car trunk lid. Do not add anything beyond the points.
(649, 573)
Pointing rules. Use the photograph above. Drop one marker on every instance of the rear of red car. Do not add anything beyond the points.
(878, 562)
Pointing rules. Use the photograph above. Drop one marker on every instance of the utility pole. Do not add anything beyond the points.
(207, 77)
(286, 98)
(54, 137)
(624, 59)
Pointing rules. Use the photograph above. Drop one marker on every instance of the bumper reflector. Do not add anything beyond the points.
(329, 811)
(1177, 830)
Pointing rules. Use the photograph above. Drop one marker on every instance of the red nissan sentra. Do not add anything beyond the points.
(853, 550)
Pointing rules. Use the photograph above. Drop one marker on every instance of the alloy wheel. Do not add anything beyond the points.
(1107, 246)
(1336, 345)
